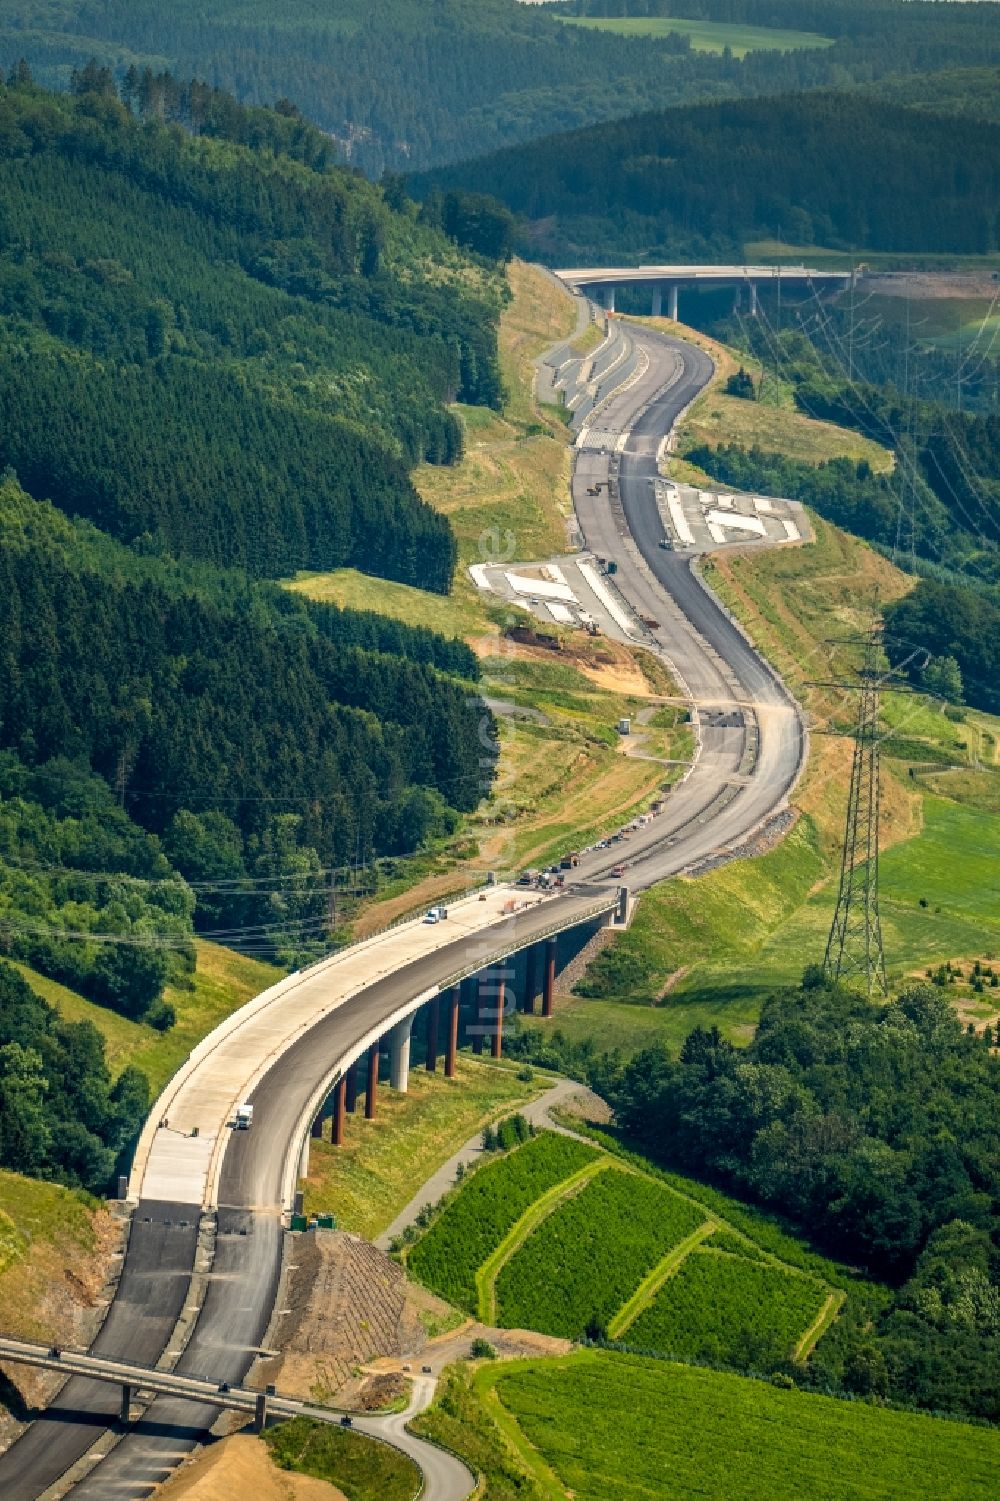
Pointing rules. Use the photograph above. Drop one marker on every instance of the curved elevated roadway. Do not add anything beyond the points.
(203, 1264)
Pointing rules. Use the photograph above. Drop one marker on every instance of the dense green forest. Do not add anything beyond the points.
(874, 1130)
(411, 84)
(835, 169)
(60, 1115)
(258, 736)
(216, 350)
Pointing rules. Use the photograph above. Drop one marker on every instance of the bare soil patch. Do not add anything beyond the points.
(242, 1466)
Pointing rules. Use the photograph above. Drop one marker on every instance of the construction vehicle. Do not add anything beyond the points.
(569, 861)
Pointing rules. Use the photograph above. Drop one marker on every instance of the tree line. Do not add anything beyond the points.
(61, 1116)
(261, 740)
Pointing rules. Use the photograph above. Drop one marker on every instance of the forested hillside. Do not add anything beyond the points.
(833, 169)
(225, 350)
(410, 83)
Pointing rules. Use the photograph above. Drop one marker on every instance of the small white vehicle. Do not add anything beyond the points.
(436, 914)
(244, 1117)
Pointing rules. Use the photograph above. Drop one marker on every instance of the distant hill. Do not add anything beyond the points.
(409, 84)
(835, 169)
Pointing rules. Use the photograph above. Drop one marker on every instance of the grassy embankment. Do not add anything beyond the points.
(368, 1180)
(709, 950)
(707, 36)
(223, 982)
(52, 1245)
(595, 1424)
(362, 1468)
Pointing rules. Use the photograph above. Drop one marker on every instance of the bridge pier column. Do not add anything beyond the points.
(530, 980)
(673, 303)
(432, 1036)
(351, 1097)
(608, 298)
(371, 1089)
(316, 1129)
(125, 1406)
(657, 301)
(549, 985)
(451, 1052)
(339, 1104)
(260, 1413)
(399, 1055)
(304, 1159)
(753, 299)
(500, 998)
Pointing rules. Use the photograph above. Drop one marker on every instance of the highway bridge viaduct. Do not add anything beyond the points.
(602, 282)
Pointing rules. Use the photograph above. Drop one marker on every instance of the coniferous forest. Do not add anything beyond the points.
(220, 356)
(410, 84)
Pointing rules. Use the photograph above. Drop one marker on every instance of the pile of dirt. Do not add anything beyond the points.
(242, 1466)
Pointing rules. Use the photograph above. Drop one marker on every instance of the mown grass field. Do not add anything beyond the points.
(382, 1163)
(779, 252)
(566, 1238)
(707, 36)
(598, 1424)
(589, 1256)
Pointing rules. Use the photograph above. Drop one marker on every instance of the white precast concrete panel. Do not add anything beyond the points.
(479, 575)
(679, 520)
(792, 533)
(608, 600)
(736, 522)
(540, 587)
(559, 612)
(760, 504)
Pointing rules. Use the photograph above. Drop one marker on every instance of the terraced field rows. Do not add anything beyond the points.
(730, 1310)
(489, 1205)
(588, 1257)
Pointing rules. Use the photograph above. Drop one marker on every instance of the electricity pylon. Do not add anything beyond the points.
(854, 947)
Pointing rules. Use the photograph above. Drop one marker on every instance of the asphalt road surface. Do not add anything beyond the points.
(752, 748)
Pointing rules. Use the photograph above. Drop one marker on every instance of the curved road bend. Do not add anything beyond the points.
(241, 1287)
(736, 694)
(752, 733)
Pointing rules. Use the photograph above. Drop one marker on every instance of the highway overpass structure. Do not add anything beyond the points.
(198, 1286)
(602, 282)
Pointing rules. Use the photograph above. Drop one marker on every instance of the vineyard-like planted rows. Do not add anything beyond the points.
(583, 1262)
(474, 1223)
(727, 1309)
(616, 1426)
